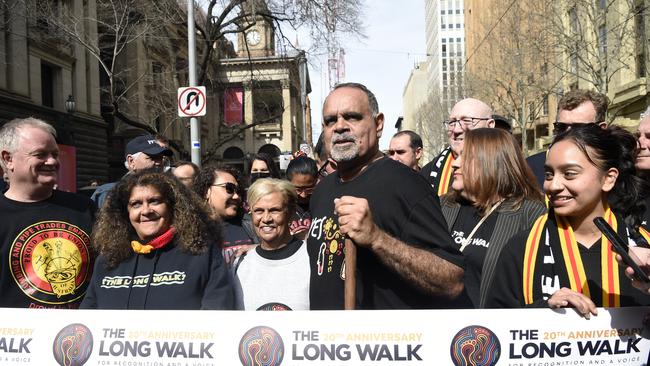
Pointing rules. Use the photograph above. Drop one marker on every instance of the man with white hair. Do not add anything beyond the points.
(45, 233)
(467, 114)
(643, 142)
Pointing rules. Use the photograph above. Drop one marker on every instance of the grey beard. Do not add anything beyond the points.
(345, 154)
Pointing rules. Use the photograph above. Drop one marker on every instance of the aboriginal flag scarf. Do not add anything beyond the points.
(552, 260)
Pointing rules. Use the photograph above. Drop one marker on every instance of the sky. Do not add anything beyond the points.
(382, 61)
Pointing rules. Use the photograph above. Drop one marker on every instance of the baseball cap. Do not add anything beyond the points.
(148, 145)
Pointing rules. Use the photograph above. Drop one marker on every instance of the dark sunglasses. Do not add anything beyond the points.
(231, 188)
(561, 127)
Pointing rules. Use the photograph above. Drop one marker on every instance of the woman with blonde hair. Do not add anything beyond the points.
(275, 275)
(158, 249)
(493, 197)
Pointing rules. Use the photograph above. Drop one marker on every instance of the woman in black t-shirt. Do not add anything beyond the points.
(493, 196)
(564, 260)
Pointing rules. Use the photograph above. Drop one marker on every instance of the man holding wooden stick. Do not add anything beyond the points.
(405, 257)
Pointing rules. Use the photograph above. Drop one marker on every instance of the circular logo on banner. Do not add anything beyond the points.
(274, 306)
(475, 346)
(73, 345)
(50, 262)
(261, 346)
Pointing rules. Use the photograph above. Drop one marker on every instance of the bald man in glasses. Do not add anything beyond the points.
(577, 107)
(467, 114)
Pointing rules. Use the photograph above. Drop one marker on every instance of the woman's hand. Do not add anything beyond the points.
(565, 297)
(643, 256)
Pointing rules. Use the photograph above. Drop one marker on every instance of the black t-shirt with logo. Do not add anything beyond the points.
(234, 237)
(45, 251)
(476, 250)
(301, 219)
(404, 206)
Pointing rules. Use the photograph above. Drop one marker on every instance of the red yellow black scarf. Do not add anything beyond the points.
(611, 287)
(445, 175)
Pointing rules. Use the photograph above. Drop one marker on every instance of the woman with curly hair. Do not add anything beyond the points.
(158, 249)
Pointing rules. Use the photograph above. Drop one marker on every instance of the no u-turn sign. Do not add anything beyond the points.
(191, 101)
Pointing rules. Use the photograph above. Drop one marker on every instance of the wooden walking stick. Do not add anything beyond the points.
(350, 294)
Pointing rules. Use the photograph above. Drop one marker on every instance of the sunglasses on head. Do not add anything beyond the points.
(230, 188)
(561, 127)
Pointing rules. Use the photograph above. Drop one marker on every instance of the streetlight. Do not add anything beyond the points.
(70, 104)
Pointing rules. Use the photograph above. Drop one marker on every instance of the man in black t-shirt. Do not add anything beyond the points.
(45, 233)
(405, 258)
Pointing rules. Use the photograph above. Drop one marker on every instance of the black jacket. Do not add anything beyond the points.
(166, 279)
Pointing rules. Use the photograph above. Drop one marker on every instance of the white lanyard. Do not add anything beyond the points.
(471, 234)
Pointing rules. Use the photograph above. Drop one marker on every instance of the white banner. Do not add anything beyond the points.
(531, 337)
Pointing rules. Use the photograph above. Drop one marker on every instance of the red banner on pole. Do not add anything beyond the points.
(67, 168)
(233, 102)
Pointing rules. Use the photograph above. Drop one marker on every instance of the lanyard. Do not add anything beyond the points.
(471, 234)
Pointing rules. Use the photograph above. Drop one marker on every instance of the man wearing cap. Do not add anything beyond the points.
(143, 152)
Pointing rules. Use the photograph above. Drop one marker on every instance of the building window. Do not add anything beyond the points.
(602, 40)
(545, 106)
(640, 44)
(602, 4)
(444, 26)
(573, 19)
(157, 73)
(47, 85)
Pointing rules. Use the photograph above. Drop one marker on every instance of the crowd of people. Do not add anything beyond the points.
(480, 226)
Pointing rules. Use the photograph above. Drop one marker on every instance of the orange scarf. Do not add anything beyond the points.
(157, 243)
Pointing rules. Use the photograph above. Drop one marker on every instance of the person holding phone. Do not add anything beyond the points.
(565, 260)
(642, 258)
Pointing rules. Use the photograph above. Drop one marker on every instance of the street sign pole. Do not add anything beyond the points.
(195, 132)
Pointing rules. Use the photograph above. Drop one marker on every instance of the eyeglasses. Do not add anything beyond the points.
(231, 188)
(465, 122)
(561, 127)
(305, 190)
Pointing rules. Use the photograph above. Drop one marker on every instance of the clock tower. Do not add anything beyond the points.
(258, 40)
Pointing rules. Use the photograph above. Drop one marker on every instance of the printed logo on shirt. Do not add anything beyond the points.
(299, 225)
(158, 279)
(273, 306)
(50, 262)
(332, 243)
(459, 238)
